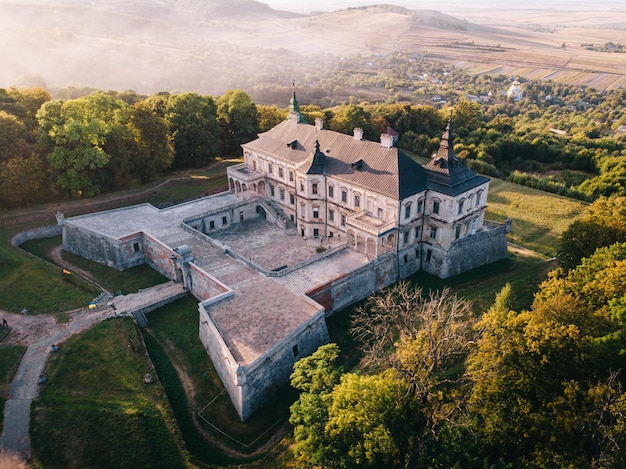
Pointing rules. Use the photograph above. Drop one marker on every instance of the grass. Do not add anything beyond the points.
(127, 281)
(10, 356)
(173, 342)
(539, 218)
(28, 282)
(96, 411)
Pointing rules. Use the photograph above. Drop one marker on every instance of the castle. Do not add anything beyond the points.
(313, 221)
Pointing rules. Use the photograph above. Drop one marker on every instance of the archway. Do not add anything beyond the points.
(261, 212)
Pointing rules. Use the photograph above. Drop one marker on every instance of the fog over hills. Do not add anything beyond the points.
(211, 46)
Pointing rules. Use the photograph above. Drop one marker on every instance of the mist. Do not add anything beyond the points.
(210, 47)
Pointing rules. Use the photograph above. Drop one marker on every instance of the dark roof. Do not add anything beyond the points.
(384, 170)
(446, 174)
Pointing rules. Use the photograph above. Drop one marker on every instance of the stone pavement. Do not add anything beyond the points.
(39, 333)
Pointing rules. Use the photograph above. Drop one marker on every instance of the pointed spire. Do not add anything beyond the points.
(294, 107)
(446, 157)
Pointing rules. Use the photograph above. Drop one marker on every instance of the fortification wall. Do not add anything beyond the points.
(468, 253)
(37, 233)
(159, 257)
(203, 285)
(349, 288)
(259, 380)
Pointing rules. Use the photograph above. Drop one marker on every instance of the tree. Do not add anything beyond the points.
(348, 420)
(347, 118)
(13, 137)
(77, 132)
(21, 179)
(193, 124)
(238, 120)
(154, 152)
(426, 339)
(544, 389)
(269, 117)
(603, 224)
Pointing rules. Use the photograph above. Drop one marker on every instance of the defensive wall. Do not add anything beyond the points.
(482, 248)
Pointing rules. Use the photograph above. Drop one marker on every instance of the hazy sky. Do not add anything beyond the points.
(447, 6)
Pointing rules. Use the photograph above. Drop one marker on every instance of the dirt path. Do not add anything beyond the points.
(55, 255)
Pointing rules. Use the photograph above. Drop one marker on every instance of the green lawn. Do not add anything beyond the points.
(29, 282)
(96, 411)
(539, 218)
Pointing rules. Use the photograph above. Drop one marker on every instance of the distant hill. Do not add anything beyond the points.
(204, 46)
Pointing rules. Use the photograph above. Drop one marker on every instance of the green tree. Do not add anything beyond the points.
(238, 119)
(347, 118)
(13, 137)
(193, 124)
(21, 179)
(154, 152)
(270, 116)
(77, 132)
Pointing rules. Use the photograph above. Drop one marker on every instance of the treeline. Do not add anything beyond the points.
(104, 141)
(560, 139)
(441, 388)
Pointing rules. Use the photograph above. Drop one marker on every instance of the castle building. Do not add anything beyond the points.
(334, 186)
(313, 221)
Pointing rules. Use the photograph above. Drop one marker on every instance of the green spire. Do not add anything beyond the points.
(293, 104)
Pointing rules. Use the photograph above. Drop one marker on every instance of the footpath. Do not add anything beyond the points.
(39, 333)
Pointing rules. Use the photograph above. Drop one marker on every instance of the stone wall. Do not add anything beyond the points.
(467, 253)
(37, 233)
(250, 386)
(159, 257)
(347, 289)
(203, 285)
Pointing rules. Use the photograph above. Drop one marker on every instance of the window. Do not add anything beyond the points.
(457, 233)
(406, 258)
(331, 234)
(420, 206)
(344, 196)
(224, 220)
(331, 215)
(381, 213)
(433, 232)
(254, 165)
(343, 220)
(282, 194)
(357, 201)
(406, 237)
(474, 225)
(314, 188)
(461, 203)
(407, 211)
(290, 176)
(211, 225)
(316, 233)
(436, 207)
(270, 168)
(292, 198)
(302, 211)
(301, 186)
(240, 216)
(417, 232)
(316, 212)
(331, 191)
(280, 172)
(295, 351)
(136, 247)
(271, 190)
(429, 254)
(478, 197)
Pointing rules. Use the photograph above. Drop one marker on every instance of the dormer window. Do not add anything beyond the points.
(293, 144)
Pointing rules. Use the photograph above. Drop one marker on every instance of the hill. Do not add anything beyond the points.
(205, 46)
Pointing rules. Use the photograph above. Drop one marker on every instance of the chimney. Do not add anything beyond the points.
(386, 140)
(358, 133)
(319, 123)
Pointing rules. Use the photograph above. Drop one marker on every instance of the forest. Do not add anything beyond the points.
(560, 138)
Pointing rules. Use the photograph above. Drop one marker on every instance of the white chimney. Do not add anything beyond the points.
(358, 133)
(319, 123)
(386, 140)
